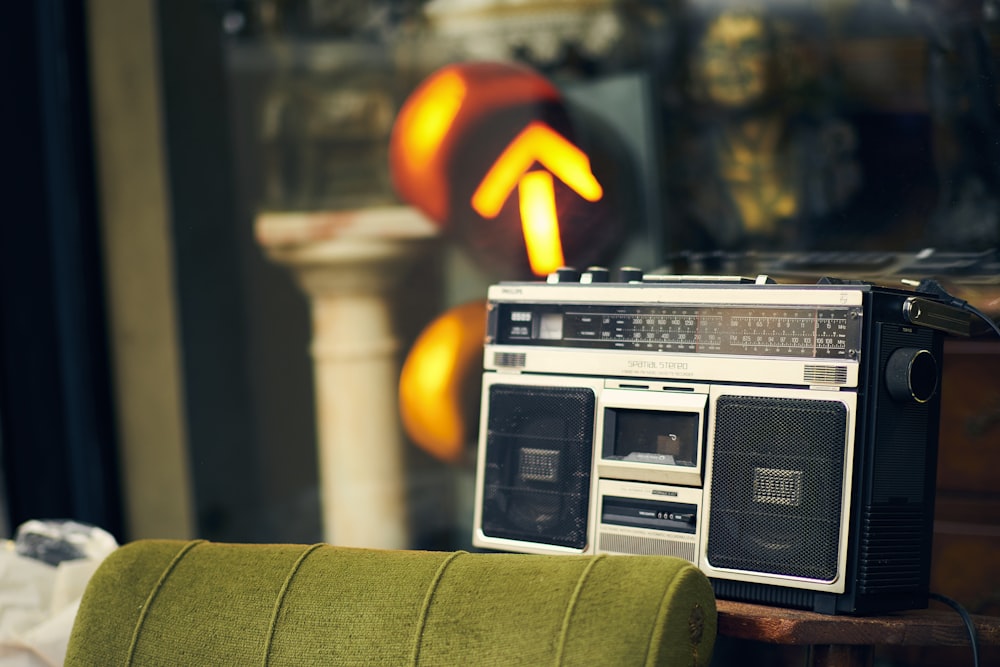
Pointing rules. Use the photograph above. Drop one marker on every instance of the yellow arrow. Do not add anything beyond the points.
(537, 199)
(536, 193)
(536, 143)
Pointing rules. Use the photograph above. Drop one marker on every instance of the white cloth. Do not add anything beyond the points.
(38, 603)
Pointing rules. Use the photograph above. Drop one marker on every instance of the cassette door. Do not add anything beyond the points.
(535, 463)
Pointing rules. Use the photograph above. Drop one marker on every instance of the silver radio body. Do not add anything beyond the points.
(781, 437)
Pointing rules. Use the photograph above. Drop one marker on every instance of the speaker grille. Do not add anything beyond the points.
(777, 482)
(539, 446)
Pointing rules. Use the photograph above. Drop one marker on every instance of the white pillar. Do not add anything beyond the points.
(350, 264)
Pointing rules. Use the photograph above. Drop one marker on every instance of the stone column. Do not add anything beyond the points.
(350, 263)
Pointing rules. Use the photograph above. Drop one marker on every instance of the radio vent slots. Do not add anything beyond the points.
(783, 597)
(510, 359)
(815, 374)
(646, 546)
(890, 539)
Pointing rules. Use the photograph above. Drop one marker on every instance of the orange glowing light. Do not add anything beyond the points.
(427, 118)
(537, 199)
(536, 143)
(440, 123)
(438, 396)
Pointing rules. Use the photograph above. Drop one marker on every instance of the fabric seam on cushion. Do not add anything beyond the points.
(426, 606)
(280, 599)
(133, 644)
(661, 617)
(571, 607)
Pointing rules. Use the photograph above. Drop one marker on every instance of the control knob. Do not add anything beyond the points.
(564, 274)
(595, 274)
(911, 375)
(630, 274)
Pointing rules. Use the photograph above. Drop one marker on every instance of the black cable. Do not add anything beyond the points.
(931, 286)
(983, 316)
(969, 625)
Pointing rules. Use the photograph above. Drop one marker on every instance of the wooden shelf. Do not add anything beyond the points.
(849, 641)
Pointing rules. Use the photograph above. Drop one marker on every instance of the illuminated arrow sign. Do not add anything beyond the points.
(536, 192)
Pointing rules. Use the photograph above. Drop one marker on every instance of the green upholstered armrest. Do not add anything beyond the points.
(161, 602)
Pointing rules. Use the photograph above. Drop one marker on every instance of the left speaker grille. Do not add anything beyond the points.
(539, 446)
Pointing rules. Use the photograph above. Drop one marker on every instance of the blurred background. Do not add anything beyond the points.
(156, 336)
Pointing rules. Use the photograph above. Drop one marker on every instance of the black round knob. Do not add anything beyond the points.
(630, 274)
(567, 274)
(911, 375)
(595, 274)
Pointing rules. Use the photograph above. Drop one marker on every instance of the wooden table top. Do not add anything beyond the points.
(922, 627)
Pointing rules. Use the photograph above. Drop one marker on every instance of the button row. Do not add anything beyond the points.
(595, 274)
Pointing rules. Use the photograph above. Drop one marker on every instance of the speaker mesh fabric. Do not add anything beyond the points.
(777, 482)
(539, 446)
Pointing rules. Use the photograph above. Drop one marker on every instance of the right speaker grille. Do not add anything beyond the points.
(776, 486)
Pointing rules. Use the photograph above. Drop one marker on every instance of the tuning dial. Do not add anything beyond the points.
(911, 375)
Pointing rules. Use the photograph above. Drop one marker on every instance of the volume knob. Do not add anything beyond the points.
(911, 375)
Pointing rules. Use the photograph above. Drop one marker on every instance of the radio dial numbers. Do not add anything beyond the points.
(742, 330)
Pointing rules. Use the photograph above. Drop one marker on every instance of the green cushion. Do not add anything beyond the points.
(160, 602)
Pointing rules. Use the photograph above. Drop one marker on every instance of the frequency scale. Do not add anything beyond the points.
(807, 332)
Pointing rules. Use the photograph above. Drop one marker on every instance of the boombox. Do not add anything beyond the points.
(781, 437)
